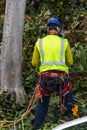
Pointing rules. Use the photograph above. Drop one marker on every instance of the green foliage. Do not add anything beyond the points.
(1, 28)
(80, 58)
(8, 108)
(2, 12)
(2, 6)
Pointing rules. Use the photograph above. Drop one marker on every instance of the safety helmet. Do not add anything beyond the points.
(54, 21)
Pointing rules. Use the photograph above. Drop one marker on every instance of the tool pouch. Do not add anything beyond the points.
(50, 83)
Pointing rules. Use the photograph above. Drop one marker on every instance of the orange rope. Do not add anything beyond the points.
(62, 110)
(29, 108)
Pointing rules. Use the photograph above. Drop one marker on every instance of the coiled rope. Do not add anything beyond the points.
(8, 123)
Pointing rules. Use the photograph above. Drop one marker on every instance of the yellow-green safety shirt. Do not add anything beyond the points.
(52, 53)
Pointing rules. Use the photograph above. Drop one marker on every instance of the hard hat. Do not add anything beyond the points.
(54, 21)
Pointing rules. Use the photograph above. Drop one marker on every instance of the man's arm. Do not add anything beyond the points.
(69, 56)
(35, 58)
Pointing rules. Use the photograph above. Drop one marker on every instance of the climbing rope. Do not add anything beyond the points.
(8, 123)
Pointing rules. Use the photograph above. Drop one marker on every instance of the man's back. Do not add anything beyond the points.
(52, 51)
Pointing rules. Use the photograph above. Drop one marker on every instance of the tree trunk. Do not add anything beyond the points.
(11, 52)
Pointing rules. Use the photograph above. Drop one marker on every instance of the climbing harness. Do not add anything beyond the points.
(55, 82)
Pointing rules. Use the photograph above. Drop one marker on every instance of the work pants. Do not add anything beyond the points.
(42, 108)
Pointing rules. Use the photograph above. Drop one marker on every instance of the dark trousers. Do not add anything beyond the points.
(42, 108)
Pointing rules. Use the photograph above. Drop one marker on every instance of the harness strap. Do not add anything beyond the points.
(54, 74)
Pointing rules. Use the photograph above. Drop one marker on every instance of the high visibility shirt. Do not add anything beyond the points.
(52, 53)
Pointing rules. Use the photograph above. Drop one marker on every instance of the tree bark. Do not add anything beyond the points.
(11, 52)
